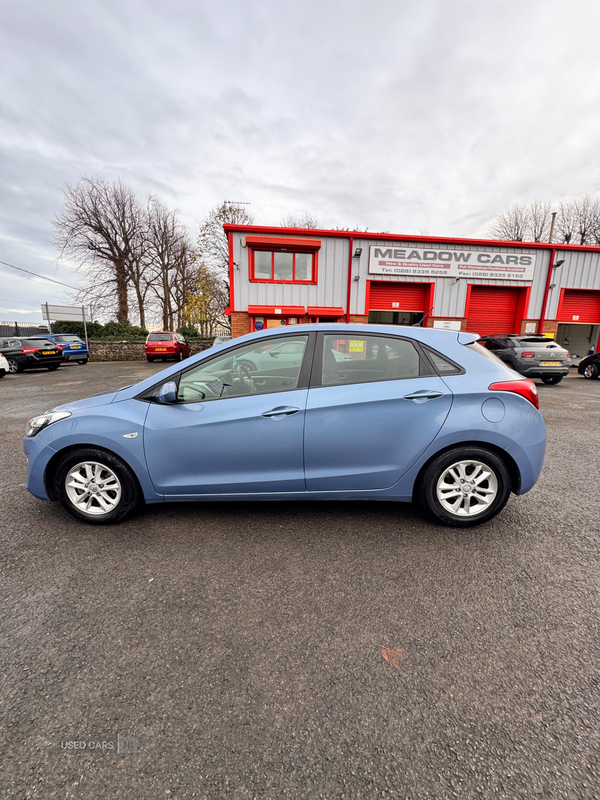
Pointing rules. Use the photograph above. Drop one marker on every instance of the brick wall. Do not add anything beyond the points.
(359, 319)
(240, 323)
(131, 351)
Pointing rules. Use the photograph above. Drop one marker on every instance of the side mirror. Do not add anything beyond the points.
(275, 354)
(167, 393)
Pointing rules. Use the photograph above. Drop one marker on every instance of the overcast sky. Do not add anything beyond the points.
(429, 116)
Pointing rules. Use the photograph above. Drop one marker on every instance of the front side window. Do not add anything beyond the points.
(282, 266)
(361, 359)
(257, 368)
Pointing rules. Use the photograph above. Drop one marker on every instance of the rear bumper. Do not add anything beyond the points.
(528, 453)
(538, 371)
(75, 355)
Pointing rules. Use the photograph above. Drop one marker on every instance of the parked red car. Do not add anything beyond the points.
(166, 344)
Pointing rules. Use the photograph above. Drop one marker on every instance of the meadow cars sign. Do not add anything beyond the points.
(407, 261)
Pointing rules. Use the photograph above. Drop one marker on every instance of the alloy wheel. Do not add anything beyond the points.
(93, 488)
(467, 488)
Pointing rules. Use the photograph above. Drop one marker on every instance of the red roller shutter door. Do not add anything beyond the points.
(408, 296)
(580, 305)
(492, 309)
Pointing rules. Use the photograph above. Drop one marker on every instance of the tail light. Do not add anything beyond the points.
(526, 388)
(528, 355)
(568, 354)
(30, 350)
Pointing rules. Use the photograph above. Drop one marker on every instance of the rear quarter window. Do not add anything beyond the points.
(478, 348)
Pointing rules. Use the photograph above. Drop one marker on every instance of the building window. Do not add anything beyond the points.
(281, 266)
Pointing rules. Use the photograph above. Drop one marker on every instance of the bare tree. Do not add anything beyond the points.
(304, 220)
(540, 217)
(566, 223)
(168, 261)
(100, 228)
(512, 225)
(213, 248)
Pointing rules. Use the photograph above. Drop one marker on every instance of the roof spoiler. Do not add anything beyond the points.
(467, 338)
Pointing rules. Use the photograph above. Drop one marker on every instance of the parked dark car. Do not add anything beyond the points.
(589, 367)
(26, 353)
(534, 356)
(73, 348)
(166, 344)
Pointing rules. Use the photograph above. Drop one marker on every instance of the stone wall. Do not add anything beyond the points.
(131, 351)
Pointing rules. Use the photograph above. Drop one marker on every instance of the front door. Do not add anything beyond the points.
(377, 410)
(232, 430)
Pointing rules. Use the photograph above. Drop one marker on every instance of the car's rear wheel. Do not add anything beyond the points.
(96, 486)
(2, 373)
(465, 486)
(52, 367)
(14, 366)
(83, 361)
(150, 359)
(591, 371)
(552, 379)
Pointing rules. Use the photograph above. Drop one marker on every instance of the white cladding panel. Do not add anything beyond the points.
(331, 289)
(581, 270)
(449, 294)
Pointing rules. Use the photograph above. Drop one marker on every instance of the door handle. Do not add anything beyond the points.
(281, 411)
(423, 394)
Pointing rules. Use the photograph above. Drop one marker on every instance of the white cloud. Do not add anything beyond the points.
(381, 114)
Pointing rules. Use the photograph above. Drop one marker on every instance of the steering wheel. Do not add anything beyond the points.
(242, 373)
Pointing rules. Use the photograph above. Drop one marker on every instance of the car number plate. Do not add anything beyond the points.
(550, 363)
(160, 348)
(75, 347)
(48, 352)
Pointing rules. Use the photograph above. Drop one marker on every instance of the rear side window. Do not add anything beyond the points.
(364, 359)
(476, 346)
(443, 365)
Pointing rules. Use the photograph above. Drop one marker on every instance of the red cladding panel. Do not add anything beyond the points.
(580, 305)
(398, 296)
(492, 309)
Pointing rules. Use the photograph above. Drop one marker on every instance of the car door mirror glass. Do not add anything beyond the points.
(167, 393)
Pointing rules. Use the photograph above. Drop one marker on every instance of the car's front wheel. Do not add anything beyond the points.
(465, 486)
(591, 371)
(96, 486)
(552, 379)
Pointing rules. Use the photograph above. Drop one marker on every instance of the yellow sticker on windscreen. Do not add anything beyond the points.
(357, 346)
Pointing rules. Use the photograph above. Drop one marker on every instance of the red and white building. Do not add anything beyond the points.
(281, 276)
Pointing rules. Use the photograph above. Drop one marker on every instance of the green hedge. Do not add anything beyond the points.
(115, 331)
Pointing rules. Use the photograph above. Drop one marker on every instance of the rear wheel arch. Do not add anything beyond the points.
(510, 463)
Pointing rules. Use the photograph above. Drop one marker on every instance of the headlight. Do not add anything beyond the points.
(37, 424)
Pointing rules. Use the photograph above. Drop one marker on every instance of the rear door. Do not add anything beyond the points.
(370, 418)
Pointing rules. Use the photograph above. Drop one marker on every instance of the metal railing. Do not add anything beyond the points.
(22, 328)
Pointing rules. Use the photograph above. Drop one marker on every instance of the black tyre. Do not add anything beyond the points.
(14, 366)
(52, 367)
(2, 373)
(552, 379)
(164, 358)
(180, 356)
(96, 486)
(465, 486)
(591, 371)
(83, 361)
(150, 359)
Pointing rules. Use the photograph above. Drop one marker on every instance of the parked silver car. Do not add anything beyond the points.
(534, 356)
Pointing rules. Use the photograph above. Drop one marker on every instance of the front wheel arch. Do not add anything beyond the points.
(52, 465)
(511, 464)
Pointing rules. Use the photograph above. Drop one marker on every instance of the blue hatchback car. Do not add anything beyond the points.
(73, 348)
(364, 412)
